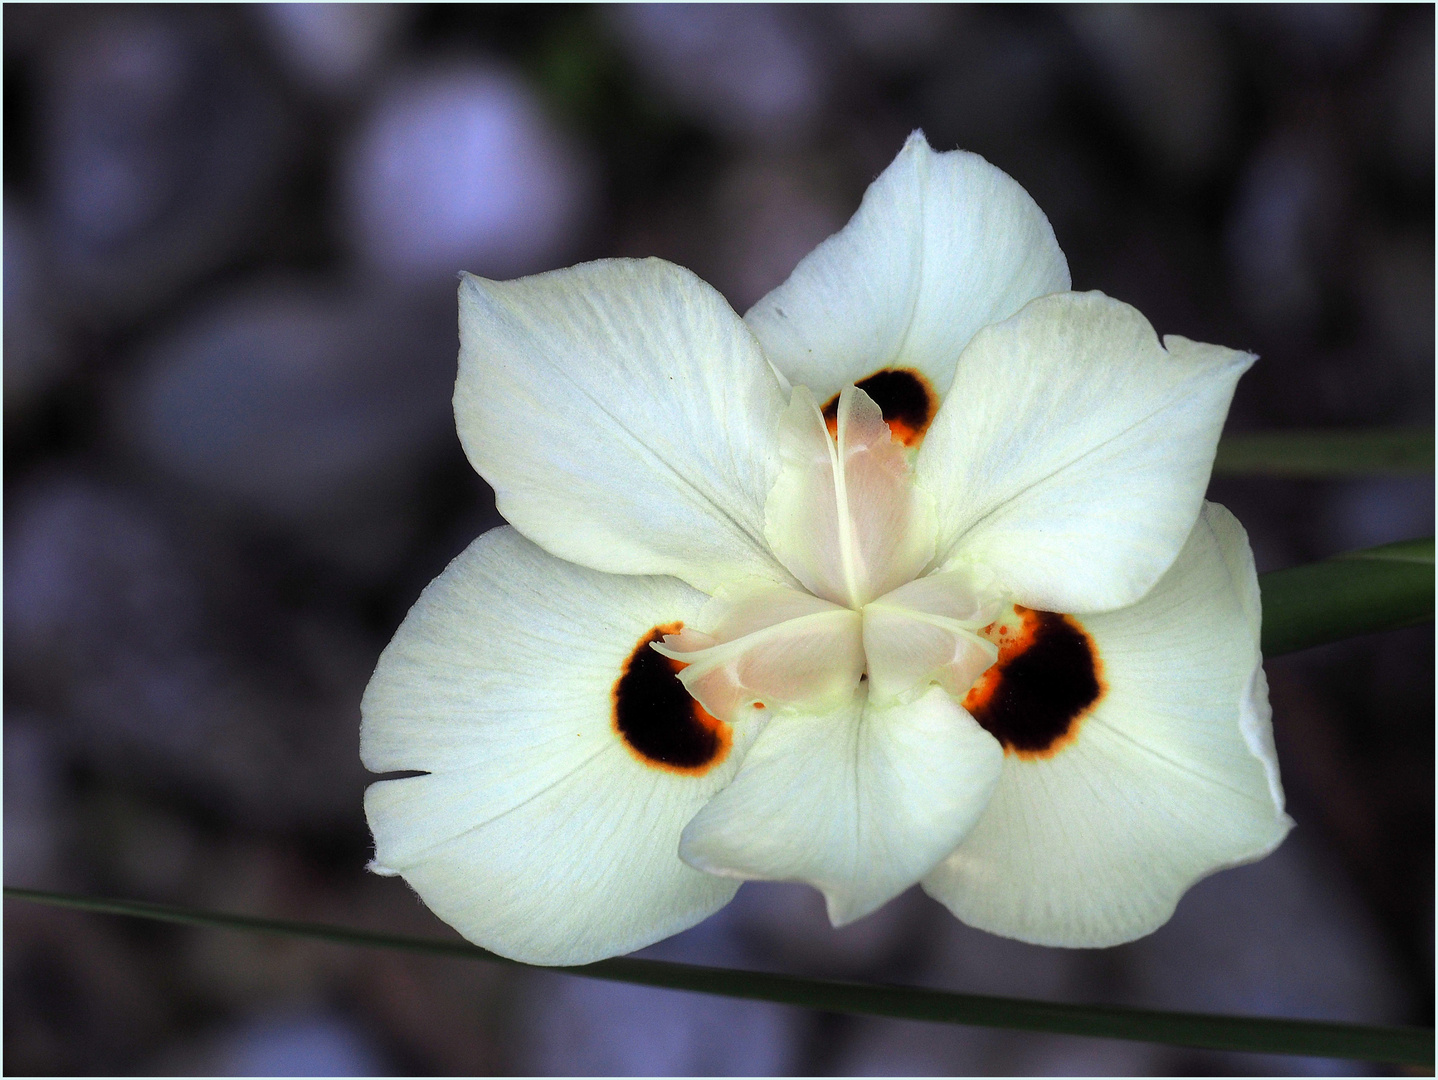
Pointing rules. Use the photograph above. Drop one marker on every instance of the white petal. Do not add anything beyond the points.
(844, 515)
(1169, 779)
(1072, 452)
(769, 647)
(942, 245)
(625, 417)
(859, 803)
(539, 832)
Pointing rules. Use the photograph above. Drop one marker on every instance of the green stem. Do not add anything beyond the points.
(1410, 1046)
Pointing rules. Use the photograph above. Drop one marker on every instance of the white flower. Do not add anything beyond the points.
(987, 637)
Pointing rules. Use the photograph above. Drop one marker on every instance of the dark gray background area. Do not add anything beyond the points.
(230, 241)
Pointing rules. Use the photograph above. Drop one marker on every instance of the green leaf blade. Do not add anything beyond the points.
(1359, 592)
(1412, 1046)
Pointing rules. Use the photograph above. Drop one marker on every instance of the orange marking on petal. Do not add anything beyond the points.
(1047, 678)
(905, 398)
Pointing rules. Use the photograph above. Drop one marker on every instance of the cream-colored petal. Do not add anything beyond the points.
(539, 831)
(844, 515)
(625, 417)
(1170, 778)
(859, 803)
(1072, 452)
(942, 244)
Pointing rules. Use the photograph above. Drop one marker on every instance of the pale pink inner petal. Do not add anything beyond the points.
(801, 515)
(743, 607)
(909, 650)
(927, 631)
(769, 648)
(844, 515)
(971, 595)
(892, 538)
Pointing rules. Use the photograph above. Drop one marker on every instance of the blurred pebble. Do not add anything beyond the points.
(34, 358)
(586, 1027)
(906, 1048)
(459, 168)
(1168, 73)
(896, 36)
(750, 71)
(310, 405)
(332, 48)
(592, 1027)
(106, 629)
(767, 215)
(282, 1042)
(1377, 510)
(1280, 222)
(945, 954)
(89, 569)
(1280, 937)
(33, 803)
(160, 145)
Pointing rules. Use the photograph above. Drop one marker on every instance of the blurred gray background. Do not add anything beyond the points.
(230, 244)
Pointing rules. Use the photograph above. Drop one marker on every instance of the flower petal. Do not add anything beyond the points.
(1171, 777)
(942, 244)
(548, 826)
(844, 516)
(859, 803)
(1072, 452)
(625, 417)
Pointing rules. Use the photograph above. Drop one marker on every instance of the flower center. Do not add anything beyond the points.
(848, 522)
(846, 519)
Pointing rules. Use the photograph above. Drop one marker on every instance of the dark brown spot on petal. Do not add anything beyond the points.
(905, 398)
(1047, 679)
(660, 723)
